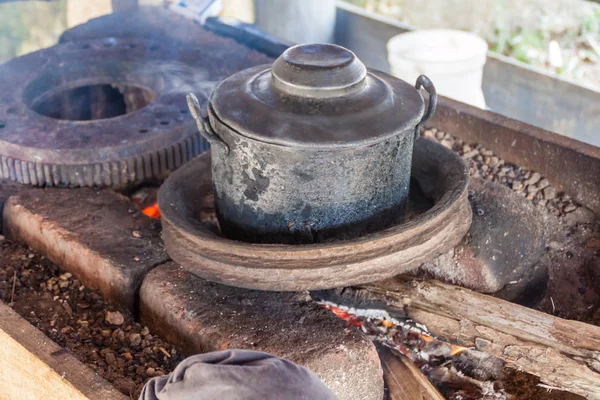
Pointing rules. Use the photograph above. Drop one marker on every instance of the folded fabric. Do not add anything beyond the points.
(237, 375)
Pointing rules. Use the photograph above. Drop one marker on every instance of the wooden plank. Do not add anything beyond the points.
(564, 354)
(34, 367)
(404, 380)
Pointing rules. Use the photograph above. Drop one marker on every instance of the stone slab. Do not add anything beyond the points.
(502, 249)
(99, 236)
(203, 316)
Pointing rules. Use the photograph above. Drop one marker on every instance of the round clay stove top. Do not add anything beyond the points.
(439, 218)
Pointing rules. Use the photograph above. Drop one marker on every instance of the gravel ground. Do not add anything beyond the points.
(111, 343)
(484, 164)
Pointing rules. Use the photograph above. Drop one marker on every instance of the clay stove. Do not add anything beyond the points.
(102, 238)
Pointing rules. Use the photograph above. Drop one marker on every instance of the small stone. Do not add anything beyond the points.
(136, 258)
(66, 276)
(150, 372)
(30, 255)
(466, 148)
(110, 358)
(135, 339)
(128, 356)
(429, 134)
(549, 193)
(470, 154)
(543, 184)
(145, 331)
(446, 143)
(136, 234)
(531, 189)
(534, 178)
(114, 318)
(63, 284)
(2, 238)
(516, 185)
(105, 333)
(570, 207)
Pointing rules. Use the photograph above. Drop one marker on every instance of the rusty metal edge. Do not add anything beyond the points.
(146, 166)
(572, 166)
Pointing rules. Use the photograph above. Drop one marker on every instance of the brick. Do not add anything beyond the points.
(90, 234)
(203, 316)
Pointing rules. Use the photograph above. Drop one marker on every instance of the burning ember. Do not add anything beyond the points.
(443, 363)
(152, 211)
(146, 199)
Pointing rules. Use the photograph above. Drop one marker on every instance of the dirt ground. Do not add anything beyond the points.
(109, 342)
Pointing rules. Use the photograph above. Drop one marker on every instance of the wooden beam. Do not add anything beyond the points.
(564, 354)
(34, 367)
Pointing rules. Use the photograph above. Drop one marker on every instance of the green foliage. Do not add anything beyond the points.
(591, 23)
(27, 26)
(522, 45)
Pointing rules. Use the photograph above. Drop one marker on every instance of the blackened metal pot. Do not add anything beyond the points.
(311, 148)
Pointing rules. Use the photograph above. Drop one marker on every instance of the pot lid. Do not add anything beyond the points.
(317, 95)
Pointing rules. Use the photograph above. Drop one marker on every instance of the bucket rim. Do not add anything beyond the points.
(479, 45)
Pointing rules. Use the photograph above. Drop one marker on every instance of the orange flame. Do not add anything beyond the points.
(426, 338)
(350, 318)
(457, 350)
(152, 211)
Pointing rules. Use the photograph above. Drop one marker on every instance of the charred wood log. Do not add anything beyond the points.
(564, 354)
(403, 379)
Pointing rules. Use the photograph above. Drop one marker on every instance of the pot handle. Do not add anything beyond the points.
(425, 82)
(203, 123)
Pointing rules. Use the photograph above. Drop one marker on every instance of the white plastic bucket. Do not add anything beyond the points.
(452, 59)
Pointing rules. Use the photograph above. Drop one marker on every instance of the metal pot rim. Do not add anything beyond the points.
(214, 119)
(388, 107)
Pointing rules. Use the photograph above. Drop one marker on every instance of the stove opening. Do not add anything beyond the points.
(91, 102)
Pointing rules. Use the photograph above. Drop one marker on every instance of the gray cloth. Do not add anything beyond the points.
(237, 375)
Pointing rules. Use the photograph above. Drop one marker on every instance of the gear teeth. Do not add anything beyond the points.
(156, 164)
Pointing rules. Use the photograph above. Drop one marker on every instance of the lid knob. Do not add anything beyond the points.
(318, 70)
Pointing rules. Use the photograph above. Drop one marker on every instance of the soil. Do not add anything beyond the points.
(123, 352)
